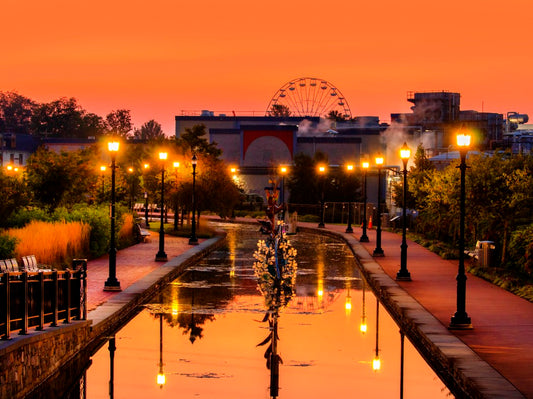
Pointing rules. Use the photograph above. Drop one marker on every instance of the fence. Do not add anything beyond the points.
(34, 299)
(337, 212)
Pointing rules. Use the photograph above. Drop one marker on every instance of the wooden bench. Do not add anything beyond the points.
(29, 264)
(143, 234)
(9, 266)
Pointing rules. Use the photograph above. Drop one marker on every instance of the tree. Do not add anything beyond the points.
(119, 122)
(279, 110)
(65, 118)
(15, 113)
(150, 131)
(336, 116)
(194, 139)
(14, 194)
(62, 179)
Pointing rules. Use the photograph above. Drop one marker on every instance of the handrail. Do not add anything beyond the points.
(33, 299)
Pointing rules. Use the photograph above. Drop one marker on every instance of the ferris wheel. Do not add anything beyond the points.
(309, 97)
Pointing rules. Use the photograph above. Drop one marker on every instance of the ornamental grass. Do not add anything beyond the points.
(54, 244)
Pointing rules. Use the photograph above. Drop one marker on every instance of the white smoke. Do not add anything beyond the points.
(310, 129)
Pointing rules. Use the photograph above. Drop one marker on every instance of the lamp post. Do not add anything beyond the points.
(403, 274)
(460, 320)
(146, 210)
(282, 171)
(233, 170)
(349, 229)
(365, 165)
(321, 172)
(161, 256)
(130, 171)
(176, 168)
(378, 251)
(112, 284)
(193, 240)
(103, 169)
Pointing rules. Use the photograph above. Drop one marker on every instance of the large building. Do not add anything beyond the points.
(257, 145)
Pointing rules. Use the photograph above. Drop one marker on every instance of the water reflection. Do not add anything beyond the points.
(209, 321)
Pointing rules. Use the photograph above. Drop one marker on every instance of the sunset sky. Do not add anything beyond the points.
(160, 57)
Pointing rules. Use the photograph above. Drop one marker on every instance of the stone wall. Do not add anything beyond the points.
(34, 357)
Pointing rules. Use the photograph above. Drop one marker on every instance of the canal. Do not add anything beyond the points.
(206, 335)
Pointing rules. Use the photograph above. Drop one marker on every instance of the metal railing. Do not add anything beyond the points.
(36, 299)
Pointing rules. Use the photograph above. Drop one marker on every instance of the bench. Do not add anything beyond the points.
(9, 266)
(29, 264)
(143, 234)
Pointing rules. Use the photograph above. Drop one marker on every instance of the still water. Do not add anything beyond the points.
(199, 337)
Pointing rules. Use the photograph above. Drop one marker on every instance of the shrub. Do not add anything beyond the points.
(521, 250)
(126, 236)
(7, 246)
(55, 243)
(24, 216)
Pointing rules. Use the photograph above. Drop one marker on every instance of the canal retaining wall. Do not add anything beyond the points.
(27, 361)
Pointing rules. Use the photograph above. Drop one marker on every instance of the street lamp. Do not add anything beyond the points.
(161, 256)
(176, 166)
(146, 210)
(193, 240)
(378, 251)
(365, 165)
(403, 274)
(103, 169)
(283, 170)
(461, 321)
(131, 177)
(112, 284)
(349, 168)
(322, 172)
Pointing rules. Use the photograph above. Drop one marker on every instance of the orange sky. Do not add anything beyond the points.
(159, 57)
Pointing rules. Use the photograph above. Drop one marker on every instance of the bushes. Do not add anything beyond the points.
(7, 246)
(60, 241)
(521, 250)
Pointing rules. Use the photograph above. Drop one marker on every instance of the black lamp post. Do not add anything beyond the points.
(460, 320)
(176, 215)
(378, 251)
(349, 229)
(161, 256)
(131, 177)
(103, 169)
(146, 210)
(322, 171)
(403, 274)
(282, 171)
(365, 165)
(193, 240)
(112, 284)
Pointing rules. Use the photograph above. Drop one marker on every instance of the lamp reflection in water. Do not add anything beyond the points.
(161, 379)
(348, 301)
(376, 363)
(112, 348)
(363, 326)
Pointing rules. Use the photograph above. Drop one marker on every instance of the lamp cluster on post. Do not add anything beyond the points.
(460, 320)
(322, 172)
(349, 168)
(193, 240)
(161, 256)
(365, 165)
(403, 274)
(378, 251)
(112, 284)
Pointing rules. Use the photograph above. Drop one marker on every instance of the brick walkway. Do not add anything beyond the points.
(133, 263)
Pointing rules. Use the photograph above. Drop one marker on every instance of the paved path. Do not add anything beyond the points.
(503, 322)
(133, 263)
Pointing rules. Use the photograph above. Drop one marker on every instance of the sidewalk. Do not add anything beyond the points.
(503, 323)
(133, 263)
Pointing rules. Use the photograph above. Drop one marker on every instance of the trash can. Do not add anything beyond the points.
(485, 253)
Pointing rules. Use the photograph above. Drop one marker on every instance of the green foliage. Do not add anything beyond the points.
(150, 131)
(194, 139)
(119, 122)
(62, 179)
(7, 246)
(14, 194)
(521, 250)
(279, 110)
(23, 216)
(15, 113)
